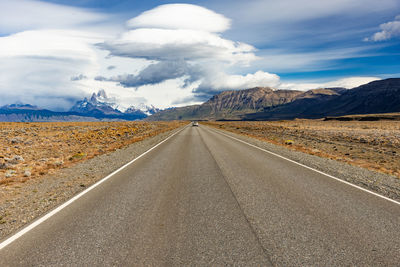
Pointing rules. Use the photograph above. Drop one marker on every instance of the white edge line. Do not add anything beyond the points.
(59, 208)
(310, 168)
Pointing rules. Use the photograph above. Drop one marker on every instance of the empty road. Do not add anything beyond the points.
(202, 198)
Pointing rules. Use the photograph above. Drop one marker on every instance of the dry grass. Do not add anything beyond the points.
(373, 145)
(47, 147)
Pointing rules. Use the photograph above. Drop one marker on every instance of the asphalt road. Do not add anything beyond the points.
(202, 198)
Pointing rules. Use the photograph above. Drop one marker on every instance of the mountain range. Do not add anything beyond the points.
(98, 107)
(259, 103)
(263, 103)
(101, 105)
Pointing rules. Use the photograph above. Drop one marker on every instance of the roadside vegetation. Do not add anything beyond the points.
(374, 145)
(45, 164)
(31, 150)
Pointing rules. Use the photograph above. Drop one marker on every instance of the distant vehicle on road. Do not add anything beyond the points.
(195, 123)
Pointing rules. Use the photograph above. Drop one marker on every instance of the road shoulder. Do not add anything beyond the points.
(383, 184)
(36, 197)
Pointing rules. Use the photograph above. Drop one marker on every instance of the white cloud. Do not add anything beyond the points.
(21, 15)
(40, 73)
(61, 44)
(388, 31)
(57, 68)
(160, 95)
(303, 26)
(180, 32)
(219, 81)
(179, 44)
(282, 60)
(152, 74)
(181, 16)
(351, 82)
(348, 83)
(52, 59)
(186, 51)
(170, 54)
(292, 11)
(186, 44)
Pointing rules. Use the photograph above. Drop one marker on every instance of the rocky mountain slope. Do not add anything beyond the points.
(98, 104)
(234, 104)
(267, 104)
(381, 96)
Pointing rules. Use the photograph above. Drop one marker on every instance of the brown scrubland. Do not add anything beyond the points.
(31, 150)
(374, 145)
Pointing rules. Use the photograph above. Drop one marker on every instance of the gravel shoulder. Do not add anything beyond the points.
(23, 203)
(384, 184)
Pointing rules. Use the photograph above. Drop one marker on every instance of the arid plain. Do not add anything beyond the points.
(30, 150)
(374, 145)
(44, 164)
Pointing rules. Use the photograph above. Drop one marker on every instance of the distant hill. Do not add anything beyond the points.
(366, 117)
(233, 105)
(381, 96)
(20, 106)
(181, 113)
(262, 103)
(39, 115)
(44, 115)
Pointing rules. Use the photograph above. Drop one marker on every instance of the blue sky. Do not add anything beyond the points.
(156, 52)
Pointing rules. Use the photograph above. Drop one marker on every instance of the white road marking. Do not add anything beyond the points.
(69, 202)
(310, 168)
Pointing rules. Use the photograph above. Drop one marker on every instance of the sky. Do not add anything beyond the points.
(175, 53)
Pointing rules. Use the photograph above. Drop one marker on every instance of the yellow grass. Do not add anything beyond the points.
(373, 145)
(47, 147)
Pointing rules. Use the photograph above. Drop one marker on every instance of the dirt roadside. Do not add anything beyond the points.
(23, 199)
(314, 147)
(367, 144)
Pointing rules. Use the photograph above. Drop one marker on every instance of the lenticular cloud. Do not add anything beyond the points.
(179, 44)
(187, 37)
(179, 32)
(181, 16)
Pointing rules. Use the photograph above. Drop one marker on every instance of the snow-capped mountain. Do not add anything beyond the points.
(101, 98)
(99, 107)
(146, 109)
(99, 103)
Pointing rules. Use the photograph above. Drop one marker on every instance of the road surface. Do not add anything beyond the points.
(202, 198)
